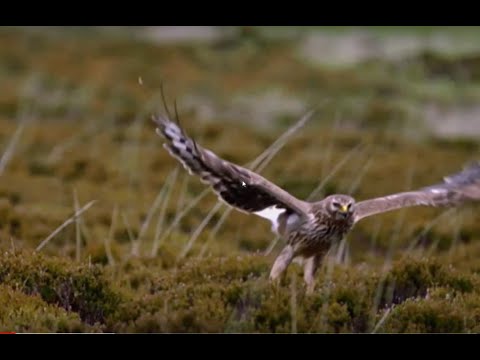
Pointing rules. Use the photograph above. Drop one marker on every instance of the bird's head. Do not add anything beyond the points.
(340, 206)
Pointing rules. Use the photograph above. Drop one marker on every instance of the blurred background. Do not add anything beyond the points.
(397, 109)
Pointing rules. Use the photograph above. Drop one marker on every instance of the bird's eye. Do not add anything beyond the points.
(336, 204)
(349, 206)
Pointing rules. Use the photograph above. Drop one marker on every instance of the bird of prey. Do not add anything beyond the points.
(309, 228)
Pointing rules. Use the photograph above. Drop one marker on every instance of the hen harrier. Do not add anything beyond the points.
(309, 228)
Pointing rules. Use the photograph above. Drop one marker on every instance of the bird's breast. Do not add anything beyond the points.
(317, 235)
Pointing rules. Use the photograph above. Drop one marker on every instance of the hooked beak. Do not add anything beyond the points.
(344, 209)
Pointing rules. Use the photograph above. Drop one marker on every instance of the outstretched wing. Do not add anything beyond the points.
(455, 190)
(237, 186)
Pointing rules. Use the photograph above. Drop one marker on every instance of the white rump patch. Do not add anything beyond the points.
(271, 213)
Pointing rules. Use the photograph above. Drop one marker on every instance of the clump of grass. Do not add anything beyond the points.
(419, 316)
(198, 297)
(78, 288)
(20, 312)
(412, 279)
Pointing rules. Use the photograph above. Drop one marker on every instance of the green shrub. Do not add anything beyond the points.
(199, 296)
(412, 279)
(426, 316)
(75, 287)
(29, 313)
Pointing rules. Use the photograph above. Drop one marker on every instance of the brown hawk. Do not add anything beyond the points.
(309, 228)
